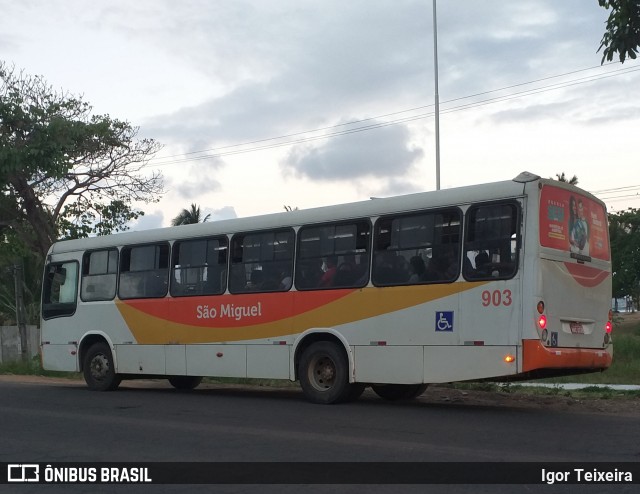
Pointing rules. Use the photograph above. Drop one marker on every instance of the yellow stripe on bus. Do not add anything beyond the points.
(359, 305)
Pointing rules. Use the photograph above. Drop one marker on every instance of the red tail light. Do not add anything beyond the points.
(609, 326)
(542, 321)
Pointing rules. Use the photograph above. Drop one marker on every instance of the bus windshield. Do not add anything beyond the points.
(572, 222)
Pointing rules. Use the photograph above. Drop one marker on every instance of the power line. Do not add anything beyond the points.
(353, 122)
(465, 106)
(615, 189)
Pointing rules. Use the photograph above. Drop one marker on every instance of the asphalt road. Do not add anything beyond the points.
(65, 422)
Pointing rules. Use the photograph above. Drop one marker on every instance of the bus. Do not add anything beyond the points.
(500, 281)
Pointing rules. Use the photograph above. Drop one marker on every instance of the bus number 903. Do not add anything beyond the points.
(496, 298)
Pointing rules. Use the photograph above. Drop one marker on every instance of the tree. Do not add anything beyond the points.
(13, 252)
(189, 216)
(624, 234)
(561, 177)
(622, 35)
(63, 171)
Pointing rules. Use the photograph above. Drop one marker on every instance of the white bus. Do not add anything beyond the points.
(501, 281)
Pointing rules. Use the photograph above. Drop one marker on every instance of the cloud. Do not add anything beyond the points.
(196, 179)
(383, 153)
(148, 222)
(224, 213)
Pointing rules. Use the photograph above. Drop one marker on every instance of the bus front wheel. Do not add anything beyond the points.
(324, 373)
(395, 392)
(99, 371)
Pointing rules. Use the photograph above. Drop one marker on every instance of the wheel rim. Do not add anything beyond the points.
(99, 367)
(322, 373)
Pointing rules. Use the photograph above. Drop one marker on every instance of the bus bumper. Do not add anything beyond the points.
(536, 356)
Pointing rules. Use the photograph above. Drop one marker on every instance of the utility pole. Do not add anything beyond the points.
(437, 96)
(21, 317)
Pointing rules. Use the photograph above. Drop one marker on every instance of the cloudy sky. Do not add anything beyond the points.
(261, 104)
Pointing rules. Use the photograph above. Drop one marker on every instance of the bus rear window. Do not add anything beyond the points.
(574, 223)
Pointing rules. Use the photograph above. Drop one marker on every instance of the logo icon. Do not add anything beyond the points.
(23, 472)
(444, 321)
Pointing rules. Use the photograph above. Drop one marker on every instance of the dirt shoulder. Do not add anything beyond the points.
(615, 404)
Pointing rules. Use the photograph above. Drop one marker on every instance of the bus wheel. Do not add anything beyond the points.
(98, 369)
(185, 382)
(323, 372)
(394, 392)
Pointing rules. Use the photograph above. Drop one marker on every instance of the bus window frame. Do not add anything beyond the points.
(466, 262)
(230, 260)
(365, 277)
(167, 269)
(172, 266)
(85, 255)
(420, 212)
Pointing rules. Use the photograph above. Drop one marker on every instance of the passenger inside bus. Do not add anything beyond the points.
(331, 268)
(417, 270)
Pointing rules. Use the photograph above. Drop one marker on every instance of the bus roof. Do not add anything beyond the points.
(370, 208)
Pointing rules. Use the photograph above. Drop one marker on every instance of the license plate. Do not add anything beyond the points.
(576, 327)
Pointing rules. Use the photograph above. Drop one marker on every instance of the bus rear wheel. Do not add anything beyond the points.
(185, 382)
(98, 369)
(395, 392)
(324, 374)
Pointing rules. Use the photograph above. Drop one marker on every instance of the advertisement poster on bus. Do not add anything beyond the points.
(573, 222)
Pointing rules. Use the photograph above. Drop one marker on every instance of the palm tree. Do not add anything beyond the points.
(561, 177)
(189, 216)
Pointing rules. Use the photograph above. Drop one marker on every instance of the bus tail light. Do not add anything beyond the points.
(509, 359)
(542, 322)
(609, 326)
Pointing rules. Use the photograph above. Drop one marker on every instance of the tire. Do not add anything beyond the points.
(395, 392)
(98, 369)
(185, 382)
(324, 373)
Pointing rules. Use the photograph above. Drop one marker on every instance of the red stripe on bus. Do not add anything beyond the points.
(586, 275)
(233, 310)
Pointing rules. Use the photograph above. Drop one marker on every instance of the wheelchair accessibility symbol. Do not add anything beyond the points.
(444, 321)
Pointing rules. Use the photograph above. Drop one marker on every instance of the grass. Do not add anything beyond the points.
(32, 368)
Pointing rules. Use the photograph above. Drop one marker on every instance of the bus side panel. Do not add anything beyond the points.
(59, 357)
(492, 313)
(140, 359)
(449, 363)
(176, 360)
(217, 360)
(389, 364)
(268, 361)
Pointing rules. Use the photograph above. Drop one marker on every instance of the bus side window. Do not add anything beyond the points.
(199, 267)
(333, 256)
(99, 272)
(491, 240)
(144, 271)
(417, 248)
(60, 290)
(261, 261)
